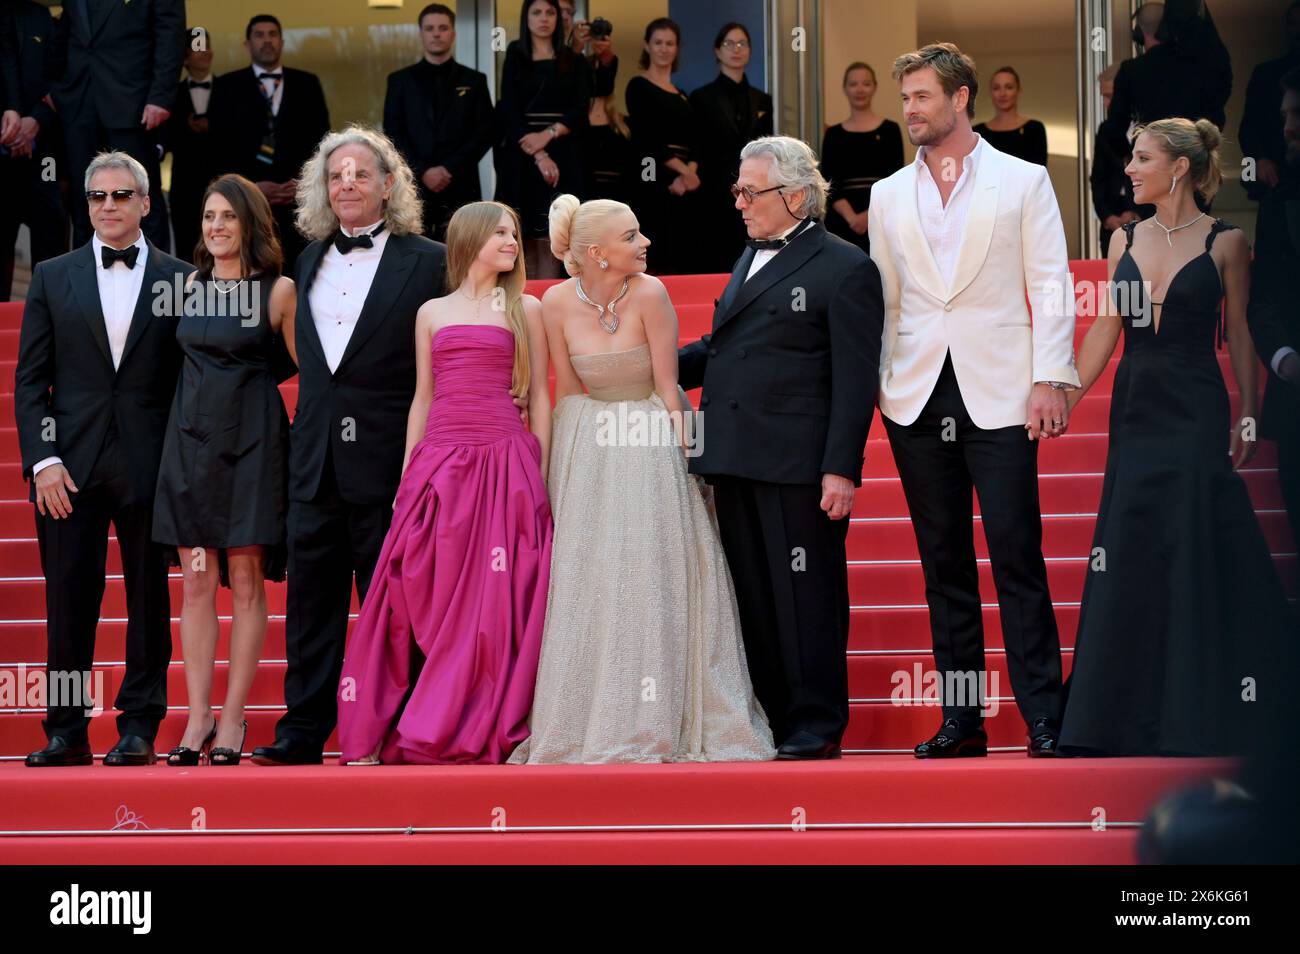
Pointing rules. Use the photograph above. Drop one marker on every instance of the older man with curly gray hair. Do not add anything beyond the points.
(789, 375)
(360, 282)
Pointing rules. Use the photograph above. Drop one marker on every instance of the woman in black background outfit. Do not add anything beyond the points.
(664, 129)
(545, 94)
(856, 154)
(1008, 131)
(731, 113)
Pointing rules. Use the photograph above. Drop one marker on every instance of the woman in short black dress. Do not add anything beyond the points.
(856, 154)
(730, 113)
(545, 94)
(1008, 131)
(222, 488)
(664, 129)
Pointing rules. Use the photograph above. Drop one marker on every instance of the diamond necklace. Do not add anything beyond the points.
(1169, 233)
(610, 326)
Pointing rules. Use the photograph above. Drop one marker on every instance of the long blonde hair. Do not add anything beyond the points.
(467, 232)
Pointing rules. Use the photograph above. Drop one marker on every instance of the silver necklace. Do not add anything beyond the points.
(610, 326)
(1169, 233)
(229, 288)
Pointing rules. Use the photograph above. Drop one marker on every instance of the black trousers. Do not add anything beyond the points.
(787, 563)
(331, 541)
(84, 137)
(291, 241)
(36, 202)
(73, 554)
(940, 457)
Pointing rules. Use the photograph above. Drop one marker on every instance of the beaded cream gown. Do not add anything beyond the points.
(642, 659)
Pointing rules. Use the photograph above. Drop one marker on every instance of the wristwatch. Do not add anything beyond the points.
(1058, 385)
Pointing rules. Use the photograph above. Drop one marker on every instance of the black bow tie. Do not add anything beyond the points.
(767, 245)
(266, 76)
(346, 243)
(110, 255)
(200, 84)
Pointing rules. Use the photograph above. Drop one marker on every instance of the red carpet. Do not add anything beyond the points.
(879, 807)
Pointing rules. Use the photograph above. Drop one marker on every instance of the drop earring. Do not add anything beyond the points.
(1173, 184)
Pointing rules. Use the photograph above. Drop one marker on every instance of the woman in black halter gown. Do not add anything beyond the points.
(1182, 607)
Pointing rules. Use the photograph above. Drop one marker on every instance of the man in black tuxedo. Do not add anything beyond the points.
(27, 158)
(1184, 70)
(1273, 315)
(190, 142)
(1260, 132)
(117, 65)
(266, 121)
(360, 282)
(97, 369)
(439, 114)
(790, 374)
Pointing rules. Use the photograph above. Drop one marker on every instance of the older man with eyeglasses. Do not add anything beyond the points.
(789, 375)
(97, 368)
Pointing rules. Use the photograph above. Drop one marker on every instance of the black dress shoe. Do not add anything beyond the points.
(805, 745)
(59, 752)
(131, 750)
(286, 752)
(1042, 739)
(954, 742)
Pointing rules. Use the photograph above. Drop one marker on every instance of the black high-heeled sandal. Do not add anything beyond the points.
(225, 756)
(183, 756)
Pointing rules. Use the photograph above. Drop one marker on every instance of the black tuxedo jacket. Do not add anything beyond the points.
(1274, 313)
(368, 397)
(193, 154)
(791, 369)
(113, 59)
(65, 370)
(29, 41)
(455, 134)
(237, 121)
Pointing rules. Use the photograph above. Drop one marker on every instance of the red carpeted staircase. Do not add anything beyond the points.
(877, 805)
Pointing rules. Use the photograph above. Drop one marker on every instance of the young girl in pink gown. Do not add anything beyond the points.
(443, 659)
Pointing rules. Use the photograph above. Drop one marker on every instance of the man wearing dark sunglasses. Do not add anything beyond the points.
(97, 368)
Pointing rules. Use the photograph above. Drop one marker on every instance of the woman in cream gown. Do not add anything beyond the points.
(642, 659)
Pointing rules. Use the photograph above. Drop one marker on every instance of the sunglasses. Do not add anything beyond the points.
(749, 194)
(97, 196)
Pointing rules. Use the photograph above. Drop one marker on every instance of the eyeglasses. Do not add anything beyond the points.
(749, 194)
(736, 44)
(97, 196)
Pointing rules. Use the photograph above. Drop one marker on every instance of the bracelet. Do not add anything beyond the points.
(538, 156)
(555, 132)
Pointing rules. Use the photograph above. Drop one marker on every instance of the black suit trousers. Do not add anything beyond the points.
(787, 563)
(331, 541)
(940, 457)
(73, 555)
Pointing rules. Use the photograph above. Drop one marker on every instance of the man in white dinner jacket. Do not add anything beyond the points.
(968, 386)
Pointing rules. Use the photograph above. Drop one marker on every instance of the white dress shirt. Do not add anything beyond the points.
(944, 225)
(119, 290)
(339, 290)
(271, 86)
(199, 98)
(763, 256)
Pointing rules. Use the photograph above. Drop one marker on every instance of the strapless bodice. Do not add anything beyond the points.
(616, 375)
(473, 366)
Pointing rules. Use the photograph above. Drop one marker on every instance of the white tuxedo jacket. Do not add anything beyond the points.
(1013, 245)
